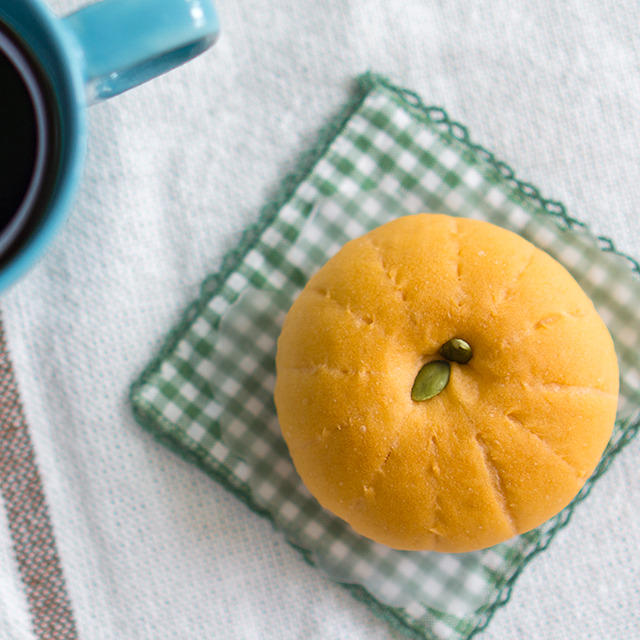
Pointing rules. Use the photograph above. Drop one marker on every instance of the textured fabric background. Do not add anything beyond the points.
(151, 548)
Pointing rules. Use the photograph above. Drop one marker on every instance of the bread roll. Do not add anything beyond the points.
(514, 433)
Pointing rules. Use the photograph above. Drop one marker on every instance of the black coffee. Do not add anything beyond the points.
(28, 138)
(18, 139)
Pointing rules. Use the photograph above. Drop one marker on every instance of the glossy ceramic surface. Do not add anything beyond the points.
(90, 55)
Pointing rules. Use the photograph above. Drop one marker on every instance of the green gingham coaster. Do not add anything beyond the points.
(209, 393)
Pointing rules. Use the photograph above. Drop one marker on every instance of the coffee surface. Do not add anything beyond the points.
(18, 139)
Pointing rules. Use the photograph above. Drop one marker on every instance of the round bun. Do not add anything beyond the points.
(510, 439)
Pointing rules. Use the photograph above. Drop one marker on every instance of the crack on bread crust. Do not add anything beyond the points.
(366, 485)
(394, 283)
(577, 388)
(549, 319)
(360, 319)
(332, 370)
(434, 479)
(556, 316)
(455, 233)
(496, 482)
(513, 419)
(510, 289)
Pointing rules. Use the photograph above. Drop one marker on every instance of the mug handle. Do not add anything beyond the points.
(124, 43)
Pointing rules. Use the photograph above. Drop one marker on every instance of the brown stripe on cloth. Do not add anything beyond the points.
(28, 515)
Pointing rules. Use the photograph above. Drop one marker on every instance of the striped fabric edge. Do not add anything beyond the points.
(30, 527)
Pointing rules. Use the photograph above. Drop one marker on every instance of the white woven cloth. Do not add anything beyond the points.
(150, 546)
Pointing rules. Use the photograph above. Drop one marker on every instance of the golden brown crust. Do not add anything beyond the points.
(508, 442)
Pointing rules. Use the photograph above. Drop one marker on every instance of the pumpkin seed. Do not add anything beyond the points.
(431, 380)
(456, 350)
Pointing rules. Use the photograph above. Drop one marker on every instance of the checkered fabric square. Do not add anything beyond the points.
(210, 392)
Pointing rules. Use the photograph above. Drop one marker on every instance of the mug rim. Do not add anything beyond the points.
(73, 136)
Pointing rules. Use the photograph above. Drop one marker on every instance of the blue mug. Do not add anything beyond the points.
(53, 68)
